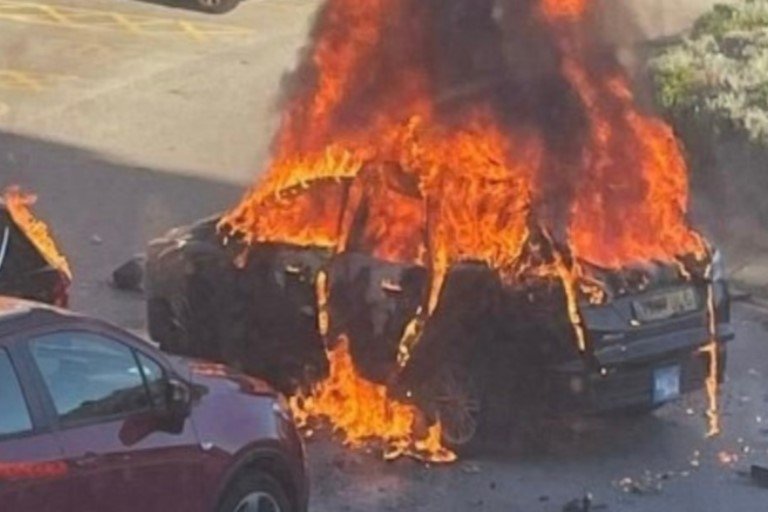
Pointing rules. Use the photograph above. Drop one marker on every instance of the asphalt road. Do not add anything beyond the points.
(129, 117)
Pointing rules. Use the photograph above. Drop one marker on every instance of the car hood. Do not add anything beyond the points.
(216, 377)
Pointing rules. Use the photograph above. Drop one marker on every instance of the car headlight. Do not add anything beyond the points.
(718, 271)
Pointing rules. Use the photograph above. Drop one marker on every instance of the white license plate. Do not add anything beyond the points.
(666, 384)
(666, 305)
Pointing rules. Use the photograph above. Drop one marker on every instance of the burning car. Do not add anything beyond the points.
(466, 214)
(490, 348)
(31, 265)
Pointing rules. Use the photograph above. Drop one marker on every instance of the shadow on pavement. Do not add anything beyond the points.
(103, 211)
(191, 5)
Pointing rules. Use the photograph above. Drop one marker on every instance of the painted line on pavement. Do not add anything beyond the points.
(34, 13)
(31, 81)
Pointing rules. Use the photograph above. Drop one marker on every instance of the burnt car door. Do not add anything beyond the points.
(126, 450)
(33, 473)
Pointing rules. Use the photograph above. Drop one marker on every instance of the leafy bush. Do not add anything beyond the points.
(719, 74)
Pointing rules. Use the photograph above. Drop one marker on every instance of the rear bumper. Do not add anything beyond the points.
(629, 383)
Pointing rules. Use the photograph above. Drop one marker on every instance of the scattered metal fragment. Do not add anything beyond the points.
(695, 461)
(470, 468)
(584, 504)
(649, 483)
(727, 458)
(130, 275)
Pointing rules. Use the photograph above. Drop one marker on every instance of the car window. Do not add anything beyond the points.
(89, 376)
(155, 377)
(14, 413)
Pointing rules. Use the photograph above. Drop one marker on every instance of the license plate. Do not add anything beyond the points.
(666, 384)
(666, 305)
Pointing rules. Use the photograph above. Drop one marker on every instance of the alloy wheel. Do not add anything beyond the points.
(258, 502)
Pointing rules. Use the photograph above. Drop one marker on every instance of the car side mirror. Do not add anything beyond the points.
(178, 399)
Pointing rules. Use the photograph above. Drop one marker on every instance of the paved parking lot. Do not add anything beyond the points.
(130, 116)
(146, 83)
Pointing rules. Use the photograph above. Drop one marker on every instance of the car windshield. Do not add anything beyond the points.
(476, 254)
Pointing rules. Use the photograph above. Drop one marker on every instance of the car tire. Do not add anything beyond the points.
(458, 407)
(255, 491)
(217, 6)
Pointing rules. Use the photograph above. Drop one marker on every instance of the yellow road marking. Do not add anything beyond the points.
(126, 23)
(30, 81)
(192, 31)
(79, 18)
(54, 14)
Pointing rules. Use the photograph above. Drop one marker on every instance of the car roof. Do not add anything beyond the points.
(13, 309)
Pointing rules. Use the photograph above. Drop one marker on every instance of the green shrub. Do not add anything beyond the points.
(720, 72)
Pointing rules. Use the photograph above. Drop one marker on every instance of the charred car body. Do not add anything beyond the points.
(489, 348)
(27, 268)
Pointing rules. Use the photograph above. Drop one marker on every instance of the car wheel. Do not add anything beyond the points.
(458, 407)
(217, 6)
(256, 492)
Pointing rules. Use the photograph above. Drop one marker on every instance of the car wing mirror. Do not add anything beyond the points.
(179, 398)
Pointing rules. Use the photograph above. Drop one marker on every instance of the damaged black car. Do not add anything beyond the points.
(489, 350)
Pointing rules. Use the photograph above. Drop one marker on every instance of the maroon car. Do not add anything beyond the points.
(93, 419)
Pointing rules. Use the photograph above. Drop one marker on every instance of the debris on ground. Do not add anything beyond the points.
(130, 275)
(584, 504)
(695, 461)
(648, 483)
(727, 458)
(470, 468)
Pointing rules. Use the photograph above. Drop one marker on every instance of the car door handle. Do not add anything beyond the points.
(88, 460)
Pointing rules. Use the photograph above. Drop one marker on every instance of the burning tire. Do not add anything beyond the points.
(217, 6)
(458, 406)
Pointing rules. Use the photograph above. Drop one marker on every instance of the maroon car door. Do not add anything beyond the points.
(127, 455)
(33, 474)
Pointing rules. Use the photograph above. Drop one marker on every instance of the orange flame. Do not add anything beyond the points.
(712, 352)
(19, 205)
(633, 167)
(362, 411)
(374, 167)
(573, 9)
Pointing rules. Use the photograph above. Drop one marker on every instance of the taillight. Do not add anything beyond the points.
(61, 293)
